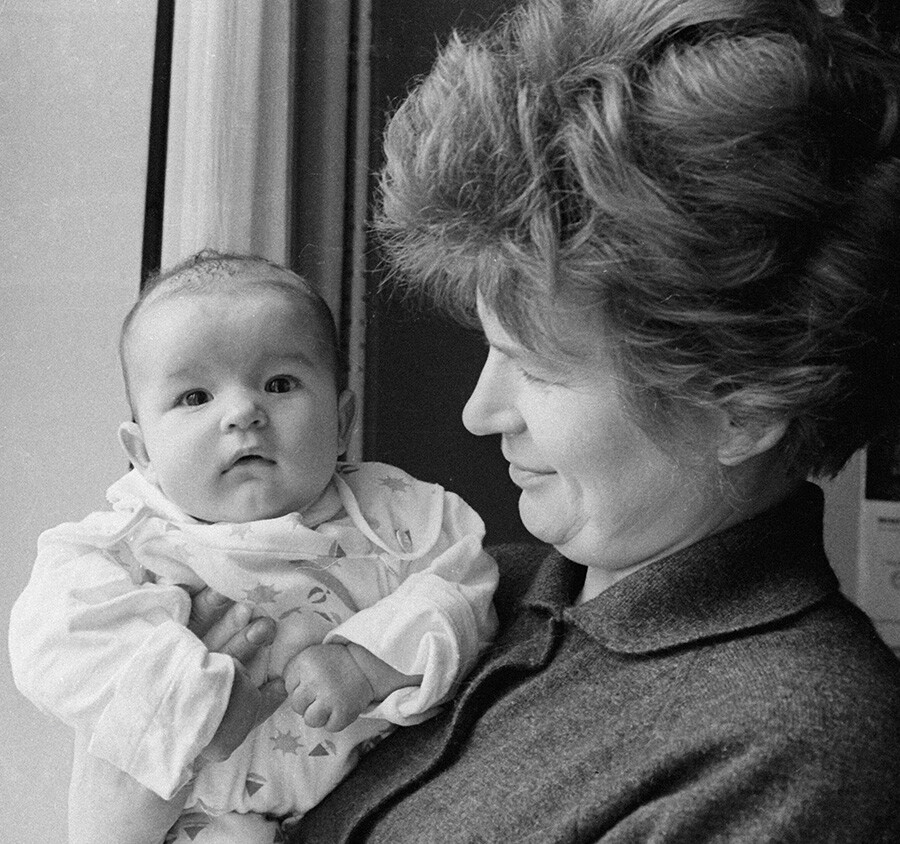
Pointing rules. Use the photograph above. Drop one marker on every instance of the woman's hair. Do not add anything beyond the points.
(211, 273)
(708, 190)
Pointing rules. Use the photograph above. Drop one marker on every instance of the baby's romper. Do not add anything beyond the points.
(385, 561)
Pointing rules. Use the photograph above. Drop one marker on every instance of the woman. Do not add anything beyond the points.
(678, 224)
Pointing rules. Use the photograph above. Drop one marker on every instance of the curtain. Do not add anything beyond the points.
(228, 160)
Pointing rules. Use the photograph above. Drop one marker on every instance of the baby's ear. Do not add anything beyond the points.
(132, 440)
(743, 440)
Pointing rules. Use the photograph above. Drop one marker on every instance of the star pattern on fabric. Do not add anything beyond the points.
(144, 575)
(262, 593)
(240, 529)
(254, 783)
(404, 539)
(317, 595)
(324, 748)
(191, 824)
(182, 552)
(286, 742)
(394, 484)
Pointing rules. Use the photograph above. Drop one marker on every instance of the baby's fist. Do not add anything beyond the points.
(327, 687)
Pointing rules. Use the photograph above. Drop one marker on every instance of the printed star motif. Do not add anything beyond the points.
(317, 595)
(254, 783)
(240, 529)
(193, 823)
(325, 748)
(182, 552)
(262, 593)
(145, 576)
(286, 742)
(394, 484)
(404, 538)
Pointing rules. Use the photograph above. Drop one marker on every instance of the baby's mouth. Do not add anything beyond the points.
(251, 459)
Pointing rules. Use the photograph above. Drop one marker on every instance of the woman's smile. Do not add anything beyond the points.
(523, 477)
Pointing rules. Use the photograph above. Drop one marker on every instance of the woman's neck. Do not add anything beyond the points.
(758, 487)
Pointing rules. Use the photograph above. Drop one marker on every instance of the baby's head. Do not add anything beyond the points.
(232, 372)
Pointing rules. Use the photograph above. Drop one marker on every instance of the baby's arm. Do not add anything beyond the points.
(331, 685)
(437, 620)
(115, 661)
(433, 618)
(106, 806)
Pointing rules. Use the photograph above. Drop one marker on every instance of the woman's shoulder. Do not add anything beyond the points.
(823, 676)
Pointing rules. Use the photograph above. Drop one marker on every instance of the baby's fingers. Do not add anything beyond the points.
(317, 712)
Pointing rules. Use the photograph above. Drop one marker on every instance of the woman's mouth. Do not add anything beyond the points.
(526, 477)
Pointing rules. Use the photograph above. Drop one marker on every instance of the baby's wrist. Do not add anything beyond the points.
(383, 678)
(361, 659)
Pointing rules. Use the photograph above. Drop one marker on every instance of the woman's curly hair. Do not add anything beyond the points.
(708, 190)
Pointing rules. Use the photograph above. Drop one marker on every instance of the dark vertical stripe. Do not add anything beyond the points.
(151, 254)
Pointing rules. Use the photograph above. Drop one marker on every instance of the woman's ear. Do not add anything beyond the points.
(740, 441)
(132, 440)
(346, 418)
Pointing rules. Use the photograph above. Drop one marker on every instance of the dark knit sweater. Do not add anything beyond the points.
(725, 693)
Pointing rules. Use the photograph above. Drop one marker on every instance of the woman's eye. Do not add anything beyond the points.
(531, 378)
(282, 384)
(194, 398)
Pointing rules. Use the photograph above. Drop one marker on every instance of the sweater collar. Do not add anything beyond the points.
(754, 573)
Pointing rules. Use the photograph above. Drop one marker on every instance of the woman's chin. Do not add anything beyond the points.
(544, 521)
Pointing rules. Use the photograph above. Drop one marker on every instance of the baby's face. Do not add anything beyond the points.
(237, 412)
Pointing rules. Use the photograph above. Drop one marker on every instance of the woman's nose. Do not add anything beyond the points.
(490, 409)
(243, 412)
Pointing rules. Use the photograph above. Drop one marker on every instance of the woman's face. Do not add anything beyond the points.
(593, 484)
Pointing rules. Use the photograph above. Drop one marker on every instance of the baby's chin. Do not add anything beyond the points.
(238, 514)
(252, 504)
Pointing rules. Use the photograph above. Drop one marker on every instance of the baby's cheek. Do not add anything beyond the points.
(296, 632)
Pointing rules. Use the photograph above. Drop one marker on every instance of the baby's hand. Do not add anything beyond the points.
(327, 686)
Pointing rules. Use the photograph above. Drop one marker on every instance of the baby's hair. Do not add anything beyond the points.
(210, 272)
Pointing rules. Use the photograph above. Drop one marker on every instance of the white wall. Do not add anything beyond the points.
(74, 115)
(842, 513)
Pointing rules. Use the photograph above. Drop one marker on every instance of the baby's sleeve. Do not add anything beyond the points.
(114, 660)
(437, 620)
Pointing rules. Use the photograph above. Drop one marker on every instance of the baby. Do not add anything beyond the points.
(378, 584)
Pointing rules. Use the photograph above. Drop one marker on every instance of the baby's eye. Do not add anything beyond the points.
(282, 384)
(194, 398)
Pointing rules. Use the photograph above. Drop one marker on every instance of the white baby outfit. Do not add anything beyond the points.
(99, 635)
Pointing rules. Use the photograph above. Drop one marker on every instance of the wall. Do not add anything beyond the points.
(74, 97)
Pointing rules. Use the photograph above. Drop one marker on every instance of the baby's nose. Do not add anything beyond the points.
(244, 412)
